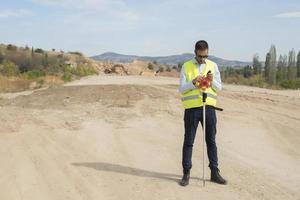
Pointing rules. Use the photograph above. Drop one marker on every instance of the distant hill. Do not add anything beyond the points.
(172, 60)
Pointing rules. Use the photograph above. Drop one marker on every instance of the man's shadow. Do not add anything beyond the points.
(102, 166)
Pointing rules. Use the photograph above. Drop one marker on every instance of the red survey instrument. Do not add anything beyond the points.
(204, 83)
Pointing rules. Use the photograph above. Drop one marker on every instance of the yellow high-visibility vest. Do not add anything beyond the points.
(193, 98)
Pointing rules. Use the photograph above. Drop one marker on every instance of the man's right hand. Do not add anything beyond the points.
(197, 79)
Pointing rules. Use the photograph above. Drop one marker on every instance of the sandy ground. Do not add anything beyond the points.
(120, 137)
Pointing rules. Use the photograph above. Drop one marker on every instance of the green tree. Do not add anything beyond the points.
(256, 64)
(267, 66)
(45, 61)
(168, 69)
(247, 71)
(292, 73)
(32, 52)
(298, 64)
(272, 69)
(223, 73)
(284, 69)
(280, 70)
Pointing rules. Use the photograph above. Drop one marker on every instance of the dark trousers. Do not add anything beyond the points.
(192, 116)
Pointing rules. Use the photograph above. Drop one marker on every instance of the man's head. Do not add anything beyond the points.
(201, 50)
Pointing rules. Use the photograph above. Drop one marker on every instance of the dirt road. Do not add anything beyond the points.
(120, 137)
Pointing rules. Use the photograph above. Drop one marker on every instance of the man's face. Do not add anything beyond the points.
(201, 55)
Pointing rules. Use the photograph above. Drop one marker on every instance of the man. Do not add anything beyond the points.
(192, 74)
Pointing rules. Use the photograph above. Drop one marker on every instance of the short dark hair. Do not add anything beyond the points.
(201, 45)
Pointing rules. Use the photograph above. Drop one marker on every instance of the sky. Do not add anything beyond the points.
(234, 29)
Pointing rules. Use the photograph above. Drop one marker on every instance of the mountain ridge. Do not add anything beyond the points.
(171, 59)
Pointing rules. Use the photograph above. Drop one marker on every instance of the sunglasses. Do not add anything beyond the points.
(206, 56)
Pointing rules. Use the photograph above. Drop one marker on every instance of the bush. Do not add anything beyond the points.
(1, 57)
(79, 71)
(247, 72)
(255, 80)
(76, 53)
(23, 67)
(117, 67)
(67, 77)
(54, 68)
(35, 74)
(9, 68)
(150, 66)
(161, 69)
(67, 68)
(168, 69)
(290, 84)
(39, 51)
(11, 47)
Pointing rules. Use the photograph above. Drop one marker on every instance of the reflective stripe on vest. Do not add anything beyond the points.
(193, 98)
(197, 96)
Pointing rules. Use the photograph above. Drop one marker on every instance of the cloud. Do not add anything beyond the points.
(73, 4)
(115, 9)
(86, 5)
(288, 15)
(14, 13)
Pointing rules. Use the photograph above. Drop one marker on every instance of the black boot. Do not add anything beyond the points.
(185, 179)
(216, 177)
